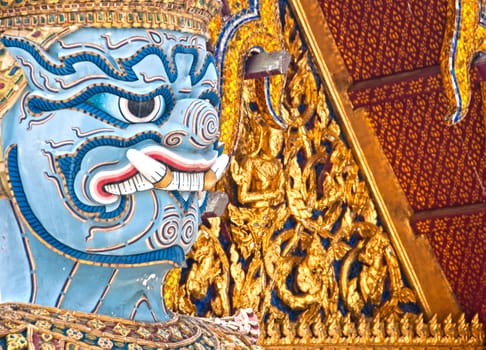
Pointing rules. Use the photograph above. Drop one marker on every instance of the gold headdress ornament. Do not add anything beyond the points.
(190, 16)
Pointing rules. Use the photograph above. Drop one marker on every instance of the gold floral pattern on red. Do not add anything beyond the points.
(459, 243)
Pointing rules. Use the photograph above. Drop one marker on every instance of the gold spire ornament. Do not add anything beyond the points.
(191, 16)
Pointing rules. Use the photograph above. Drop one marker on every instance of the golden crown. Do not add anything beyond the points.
(190, 16)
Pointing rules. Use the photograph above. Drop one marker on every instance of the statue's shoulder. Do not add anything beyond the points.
(33, 326)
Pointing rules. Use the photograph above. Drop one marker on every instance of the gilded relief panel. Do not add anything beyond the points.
(301, 242)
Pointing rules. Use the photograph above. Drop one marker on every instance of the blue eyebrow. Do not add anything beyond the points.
(38, 104)
(126, 72)
(66, 66)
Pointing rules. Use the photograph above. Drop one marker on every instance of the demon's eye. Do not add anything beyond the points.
(141, 111)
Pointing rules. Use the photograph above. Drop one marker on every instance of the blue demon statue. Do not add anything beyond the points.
(108, 152)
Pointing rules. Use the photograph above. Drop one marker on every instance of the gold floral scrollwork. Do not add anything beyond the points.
(301, 242)
(301, 236)
(259, 30)
(380, 265)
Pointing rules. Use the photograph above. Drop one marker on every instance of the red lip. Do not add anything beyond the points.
(173, 160)
(116, 178)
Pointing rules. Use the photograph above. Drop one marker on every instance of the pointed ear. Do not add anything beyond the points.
(13, 81)
(30, 59)
(17, 76)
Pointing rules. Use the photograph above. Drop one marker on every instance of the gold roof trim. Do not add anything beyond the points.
(190, 16)
(416, 256)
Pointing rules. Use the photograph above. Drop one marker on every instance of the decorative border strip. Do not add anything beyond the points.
(110, 17)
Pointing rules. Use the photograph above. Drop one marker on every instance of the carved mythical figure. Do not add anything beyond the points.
(108, 153)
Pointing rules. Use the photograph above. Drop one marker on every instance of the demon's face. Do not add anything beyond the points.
(114, 142)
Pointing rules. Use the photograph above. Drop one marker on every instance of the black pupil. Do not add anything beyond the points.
(141, 109)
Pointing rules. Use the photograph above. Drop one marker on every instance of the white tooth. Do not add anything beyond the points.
(220, 165)
(141, 183)
(196, 180)
(108, 188)
(176, 179)
(130, 186)
(150, 169)
(136, 183)
(136, 180)
(123, 188)
(189, 181)
(185, 182)
(191, 178)
(126, 187)
(174, 184)
(182, 185)
(192, 181)
(113, 189)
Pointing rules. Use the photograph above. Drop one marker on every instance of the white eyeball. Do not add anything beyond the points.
(140, 111)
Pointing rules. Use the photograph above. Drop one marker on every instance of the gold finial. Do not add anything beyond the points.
(190, 16)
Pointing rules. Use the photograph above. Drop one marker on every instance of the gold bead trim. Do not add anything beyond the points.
(191, 19)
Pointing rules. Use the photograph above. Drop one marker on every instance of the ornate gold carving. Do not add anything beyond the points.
(305, 243)
(181, 15)
(210, 270)
(261, 32)
(408, 330)
(302, 242)
(36, 327)
(433, 291)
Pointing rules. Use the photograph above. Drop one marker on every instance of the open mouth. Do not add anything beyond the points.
(155, 167)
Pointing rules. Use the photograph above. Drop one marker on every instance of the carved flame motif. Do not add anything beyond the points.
(301, 242)
(302, 234)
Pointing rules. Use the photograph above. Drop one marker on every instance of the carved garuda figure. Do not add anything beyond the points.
(109, 137)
